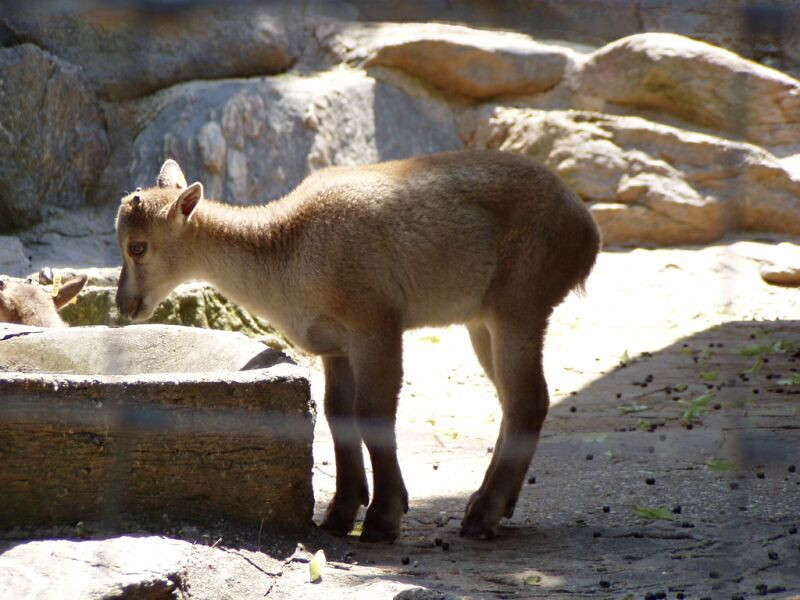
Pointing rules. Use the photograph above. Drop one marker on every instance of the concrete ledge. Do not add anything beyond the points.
(233, 443)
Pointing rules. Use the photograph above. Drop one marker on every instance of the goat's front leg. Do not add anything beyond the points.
(378, 371)
(351, 479)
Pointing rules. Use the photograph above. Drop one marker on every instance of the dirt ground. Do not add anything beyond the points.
(672, 476)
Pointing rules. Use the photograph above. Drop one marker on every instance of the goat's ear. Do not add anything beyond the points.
(68, 291)
(184, 207)
(171, 176)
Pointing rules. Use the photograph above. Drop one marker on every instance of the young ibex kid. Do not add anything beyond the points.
(26, 303)
(356, 255)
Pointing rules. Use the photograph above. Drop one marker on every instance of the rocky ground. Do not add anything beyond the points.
(668, 466)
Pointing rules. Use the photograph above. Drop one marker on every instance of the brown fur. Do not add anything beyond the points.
(354, 256)
(26, 303)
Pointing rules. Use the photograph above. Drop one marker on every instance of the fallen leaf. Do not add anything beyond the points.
(709, 375)
(718, 464)
(653, 513)
(316, 566)
(533, 580)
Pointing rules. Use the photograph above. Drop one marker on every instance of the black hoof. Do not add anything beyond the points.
(477, 531)
(378, 536)
(336, 526)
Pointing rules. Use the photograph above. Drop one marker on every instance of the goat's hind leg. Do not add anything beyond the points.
(351, 479)
(519, 378)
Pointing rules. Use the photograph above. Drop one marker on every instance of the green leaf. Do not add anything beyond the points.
(783, 346)
(533, 580)
(644, 424)
(681, 387)
(698, 407)
(777, 347)
(793, 380)
(633, 408)
(704, 356)
(709, 375)
(625, 358)
(653, 513)
(719, 464)
(755, 350)
(757, 366)
(316, 566)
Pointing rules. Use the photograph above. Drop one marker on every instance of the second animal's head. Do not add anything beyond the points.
(150, 225)
(24, 302)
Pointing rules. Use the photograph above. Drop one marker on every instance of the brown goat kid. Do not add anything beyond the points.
(356, 255)
(26, 303)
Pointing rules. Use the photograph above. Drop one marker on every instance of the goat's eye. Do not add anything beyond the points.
(137, 249)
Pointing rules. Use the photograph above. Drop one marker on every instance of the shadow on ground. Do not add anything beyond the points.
(674, 474)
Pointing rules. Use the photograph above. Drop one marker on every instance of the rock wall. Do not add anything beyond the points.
(674, 140)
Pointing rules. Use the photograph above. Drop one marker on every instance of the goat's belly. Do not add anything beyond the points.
(436, 312)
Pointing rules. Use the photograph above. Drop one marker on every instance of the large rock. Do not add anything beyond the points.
(191, 305)
(54, 144)
(252, 140)
(127, 54)
(650, 182)
(470, 62)
(13, 260)
(142, 567)
(764, 31)
(129, 424)
(694, 81)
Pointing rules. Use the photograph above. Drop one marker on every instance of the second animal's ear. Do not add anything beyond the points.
(171, 176)
(68, 291)
(184, 207)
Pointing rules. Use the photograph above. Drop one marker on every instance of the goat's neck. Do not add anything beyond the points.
(237, 249)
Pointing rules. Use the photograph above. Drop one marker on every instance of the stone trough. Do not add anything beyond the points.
(131, 424)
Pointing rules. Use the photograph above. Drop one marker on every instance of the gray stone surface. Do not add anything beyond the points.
(149, 421)
(763, 31)
(699, 83)
(54, 144)
(132, 350)
(13, 260)
(460, 60)
(145, 568)
(253, 140)
(125, 53)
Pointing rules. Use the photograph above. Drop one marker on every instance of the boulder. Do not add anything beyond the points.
(54, 139)
(129, 53)
(764, 31)
(648, 182)
(191, 305)
(787, 275)
(249, 141)
(151, 420)
(694, 81)
(461, 60)
(76, 236)
(143, 567)
(13, 260)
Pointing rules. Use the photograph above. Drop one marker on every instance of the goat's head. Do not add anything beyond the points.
(27, 303)
(151, 224)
